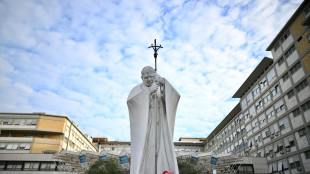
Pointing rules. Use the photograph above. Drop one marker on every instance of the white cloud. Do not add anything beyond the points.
(82, 59)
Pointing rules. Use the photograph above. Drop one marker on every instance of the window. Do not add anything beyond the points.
(31, 165)
(263, 83)
(2, 165)
(281, 61)
(271, 74)
(275, 90)
(9, 146)
(276, 46)
(34, 122)
(270, 114)
(294, 162)
(259, 105)
(280, 108)
(291, 141)
(5, 122)
(17, 122)
(47, 166)
(8, 122)
(285, 77)
(22, 122)
(295, 68)
(296, 112)
(301, 85)
(285, 36)
(302, 132)
(280, 148)
(27, 147)
(15, 146)
(283, 124)
(265, 134)
(249, 97)
(22, 146)
(267, 98)
(29, 122)
(306, 106)
(255, 91)
(290, 51)
(2, 146)
(290, 94)
(14, 166)
(307, 154)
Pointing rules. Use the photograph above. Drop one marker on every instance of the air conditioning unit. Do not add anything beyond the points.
(288, 149)
(282, 151)
(299, 168)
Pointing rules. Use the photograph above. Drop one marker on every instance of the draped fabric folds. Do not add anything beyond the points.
(147, 137)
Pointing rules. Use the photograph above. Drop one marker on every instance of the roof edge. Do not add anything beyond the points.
(286, 25)
(260, 68)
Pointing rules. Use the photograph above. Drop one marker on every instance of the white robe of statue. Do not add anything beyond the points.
(144, 112)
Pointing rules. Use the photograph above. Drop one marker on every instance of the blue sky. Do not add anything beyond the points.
(82, 58)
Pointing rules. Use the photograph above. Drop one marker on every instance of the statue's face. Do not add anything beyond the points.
(148, 78)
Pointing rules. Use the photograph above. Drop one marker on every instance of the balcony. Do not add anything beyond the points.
(17, 127)
(16, 139)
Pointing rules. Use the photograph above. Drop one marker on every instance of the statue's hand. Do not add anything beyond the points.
(159, 80)
(153, 88)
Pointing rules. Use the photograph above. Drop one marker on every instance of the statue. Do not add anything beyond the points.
(152, 109)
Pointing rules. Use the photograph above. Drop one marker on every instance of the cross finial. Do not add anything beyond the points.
(155, 48)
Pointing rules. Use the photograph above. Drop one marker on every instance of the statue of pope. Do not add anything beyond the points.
(152, 109)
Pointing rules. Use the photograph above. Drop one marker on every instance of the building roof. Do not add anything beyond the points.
(225, 121)
(116, 142)
(191, 138)
(258, 71)
(188, 143)
(100, 139)
(288, 23)
(306, 21)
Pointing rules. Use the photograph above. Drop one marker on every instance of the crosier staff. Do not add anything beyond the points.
(156, 48)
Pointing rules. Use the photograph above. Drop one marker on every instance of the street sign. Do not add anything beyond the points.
(213, 161)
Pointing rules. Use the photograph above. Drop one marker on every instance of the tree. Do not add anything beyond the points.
(110, 166)
(189, 166)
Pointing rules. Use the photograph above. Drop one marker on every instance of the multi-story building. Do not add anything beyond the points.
(272, 119)
(115, 147)
(27, 140)
(39, 133)
(189, 144)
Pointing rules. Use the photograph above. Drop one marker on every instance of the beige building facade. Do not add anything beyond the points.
(27, 134)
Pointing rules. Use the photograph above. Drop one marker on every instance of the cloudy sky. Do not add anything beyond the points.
(82, 58)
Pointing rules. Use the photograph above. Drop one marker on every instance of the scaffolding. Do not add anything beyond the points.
(226, 163)
(68, 161)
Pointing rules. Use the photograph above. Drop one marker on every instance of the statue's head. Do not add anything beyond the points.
(148, 76)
